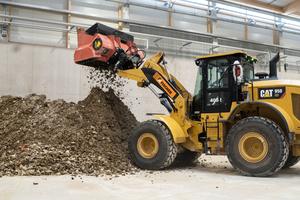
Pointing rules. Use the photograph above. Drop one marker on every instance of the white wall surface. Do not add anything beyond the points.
(291, 40)
(29, 69)
(149, 15)
(96, 7)
(231, 30)
(189, 22)
(264, 36)
(39, 36)
(26, 69)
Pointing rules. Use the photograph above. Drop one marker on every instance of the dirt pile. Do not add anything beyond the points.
(43, 137)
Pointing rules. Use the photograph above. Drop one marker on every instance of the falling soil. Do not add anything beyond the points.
(43, 137)
(105, 80)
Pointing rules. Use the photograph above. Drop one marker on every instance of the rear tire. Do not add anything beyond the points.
(256, 146)
(151, 145)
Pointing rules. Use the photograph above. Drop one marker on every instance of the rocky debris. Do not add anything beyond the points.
(105, 79)
(43, 137)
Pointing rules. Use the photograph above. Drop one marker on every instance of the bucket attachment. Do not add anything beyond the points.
(103, 47)
(105, 30)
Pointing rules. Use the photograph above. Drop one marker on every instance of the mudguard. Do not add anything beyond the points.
(179, 135)
(288, 123)
(290, 127)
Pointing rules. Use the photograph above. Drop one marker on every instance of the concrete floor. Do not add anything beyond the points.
(214, 179)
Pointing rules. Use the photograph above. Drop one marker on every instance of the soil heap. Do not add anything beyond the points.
(43, 137)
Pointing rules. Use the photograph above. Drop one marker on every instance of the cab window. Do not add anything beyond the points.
(215, 70)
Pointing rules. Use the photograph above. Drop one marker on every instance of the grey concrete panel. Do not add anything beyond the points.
(47, 70)
(291, 40)
(231, 30)
(55, 73)
(96, 7)
(260, 35)
(19, 68)
(149, 15)
(190, 22)
(3, 67)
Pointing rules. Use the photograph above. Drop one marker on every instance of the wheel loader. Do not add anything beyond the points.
(254, 119)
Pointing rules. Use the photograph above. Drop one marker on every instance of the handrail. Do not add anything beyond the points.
(44, 21)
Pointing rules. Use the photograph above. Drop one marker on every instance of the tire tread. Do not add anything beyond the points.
(171, 145)
(284, 150)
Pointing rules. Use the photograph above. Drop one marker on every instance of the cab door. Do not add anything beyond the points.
(216, 85)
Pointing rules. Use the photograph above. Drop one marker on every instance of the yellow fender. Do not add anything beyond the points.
(179, 135)
(288, 121)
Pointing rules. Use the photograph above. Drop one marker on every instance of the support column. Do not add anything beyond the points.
(213, 25)
(8, 28)
(171, 4)
(208, 23)
(277, 34)
(125, 14)
(68, 27)
(208, 20)
(246, 30)
(170, 18)
(213, 22)
(120, 15)
(279, 38)
(274, 35)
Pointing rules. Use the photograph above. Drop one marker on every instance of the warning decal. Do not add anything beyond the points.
(271, 93)
(161, 81)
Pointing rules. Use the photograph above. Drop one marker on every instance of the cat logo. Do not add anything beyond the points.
(167, 88)
(271, 93)
(97, 44)
(266, 93)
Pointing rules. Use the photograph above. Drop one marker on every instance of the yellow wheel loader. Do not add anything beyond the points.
(254, 121)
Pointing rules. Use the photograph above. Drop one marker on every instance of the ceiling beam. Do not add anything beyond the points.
(296, 14)
(291, 7)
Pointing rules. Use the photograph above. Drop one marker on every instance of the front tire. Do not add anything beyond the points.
(151, 145)
(256, 146)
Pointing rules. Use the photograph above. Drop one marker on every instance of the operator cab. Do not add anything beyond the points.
(219, 81)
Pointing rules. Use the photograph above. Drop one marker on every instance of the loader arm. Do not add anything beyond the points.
(106, 48)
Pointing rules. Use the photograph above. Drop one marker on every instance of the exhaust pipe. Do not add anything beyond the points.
(273, 68)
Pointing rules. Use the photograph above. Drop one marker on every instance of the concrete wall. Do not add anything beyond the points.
(29, 69)
(26, 69)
